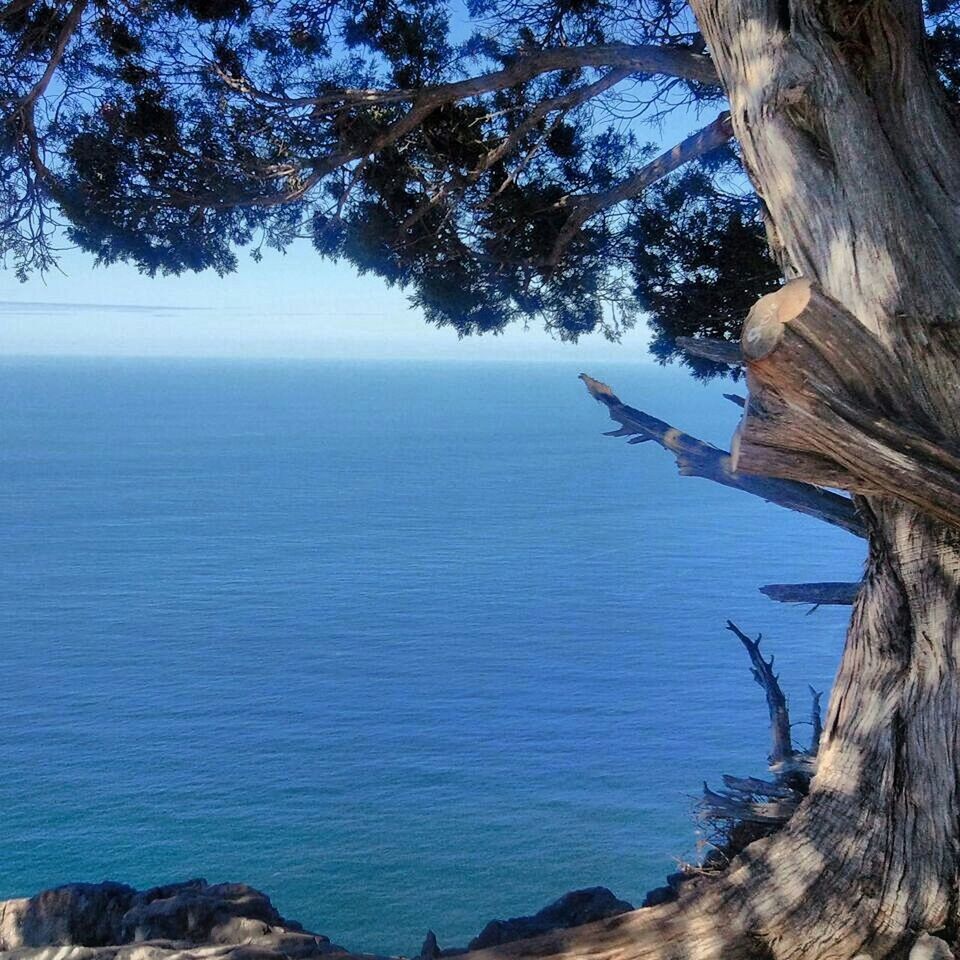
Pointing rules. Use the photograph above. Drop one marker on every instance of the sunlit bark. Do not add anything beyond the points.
(849, 145)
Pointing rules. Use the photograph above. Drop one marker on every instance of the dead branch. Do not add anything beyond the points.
(754, 787)
(735, 806)
(816, 721)
(782, 745)
(831, 592)
(696, 458)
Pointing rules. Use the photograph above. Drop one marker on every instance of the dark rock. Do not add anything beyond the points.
(117, 917)
(571, 910)
(430, 949)
(199, 913)
(85, 914)
(676, 880)
(659, 895)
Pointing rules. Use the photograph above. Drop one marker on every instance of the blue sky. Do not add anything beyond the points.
(289, 305)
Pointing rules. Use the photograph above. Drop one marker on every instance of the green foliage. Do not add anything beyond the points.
(701, 263)
(176, 132)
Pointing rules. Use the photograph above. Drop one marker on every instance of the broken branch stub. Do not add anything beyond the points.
(831, 405)
(836, 593)
(712, 348)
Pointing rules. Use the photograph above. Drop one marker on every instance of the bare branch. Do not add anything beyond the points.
(586, 206)
(834, 593)
(759, 788)
(781, 745)
(695, 458)
(816, 721)
(739, 807)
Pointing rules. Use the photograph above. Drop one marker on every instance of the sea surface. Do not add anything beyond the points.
(405, 645)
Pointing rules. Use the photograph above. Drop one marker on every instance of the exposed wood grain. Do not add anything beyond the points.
(831, 404)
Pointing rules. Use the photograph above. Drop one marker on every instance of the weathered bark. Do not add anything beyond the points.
(848, 143)
(857, 162)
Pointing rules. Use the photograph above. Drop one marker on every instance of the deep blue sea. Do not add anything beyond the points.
(404, 645)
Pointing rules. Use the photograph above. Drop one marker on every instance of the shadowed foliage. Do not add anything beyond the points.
(489, 161)
(486, 160)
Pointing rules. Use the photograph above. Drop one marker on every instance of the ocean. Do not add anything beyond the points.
(405, 645)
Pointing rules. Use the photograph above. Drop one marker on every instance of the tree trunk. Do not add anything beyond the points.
(850, 146)
(852, 151)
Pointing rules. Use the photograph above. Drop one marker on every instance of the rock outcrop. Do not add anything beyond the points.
(111, 921)
(571, 910)
(196, 920)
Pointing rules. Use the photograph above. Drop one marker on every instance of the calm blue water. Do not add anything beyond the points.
(403, 645)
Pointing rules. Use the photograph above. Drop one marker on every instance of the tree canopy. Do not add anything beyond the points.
(497, 160)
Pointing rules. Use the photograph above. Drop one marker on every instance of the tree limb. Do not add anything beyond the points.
(542, 110)
(640, 58)
(695, 458)
(583, 207)
(427, 100)
(834, 593)
(68, 29)
(816, 721)
(736, 807)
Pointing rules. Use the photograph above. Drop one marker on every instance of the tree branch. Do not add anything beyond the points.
(833, 593)
(695, 458)
(816, 721)
(781, 745)
(738, 807)
(639, 58)
(541, 111)
(627, 59)
(68, 29)
(586, 206)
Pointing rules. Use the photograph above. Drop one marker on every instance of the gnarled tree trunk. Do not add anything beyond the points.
(850, 146)
(851, 149)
